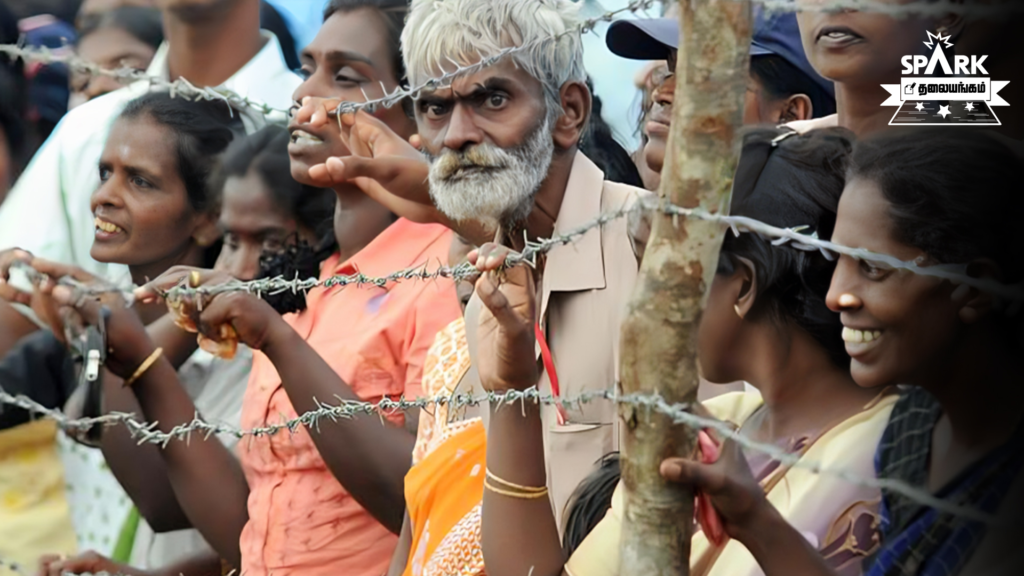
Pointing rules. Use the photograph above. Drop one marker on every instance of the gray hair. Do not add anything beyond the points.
(439, 32)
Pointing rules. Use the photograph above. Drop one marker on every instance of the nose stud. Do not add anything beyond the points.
(848, 300)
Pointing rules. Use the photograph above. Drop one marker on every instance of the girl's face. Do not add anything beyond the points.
(252, 224)
(898, 326)
(349, 58)
(110, 48)
(143, 216)
(861, 48)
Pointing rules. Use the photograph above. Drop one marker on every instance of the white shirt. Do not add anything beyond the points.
(48, 211)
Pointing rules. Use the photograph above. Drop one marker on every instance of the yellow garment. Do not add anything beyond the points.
(812, 503)
(34, 515)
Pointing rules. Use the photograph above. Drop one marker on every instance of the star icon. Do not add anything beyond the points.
(969, 106)
(920, 106)
(944, 111)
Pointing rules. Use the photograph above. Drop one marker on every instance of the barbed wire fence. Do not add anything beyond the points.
(148, 432)
(795, 238)
(800, 238)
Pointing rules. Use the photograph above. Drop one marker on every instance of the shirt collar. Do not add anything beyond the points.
(259, 79)
(578, 265)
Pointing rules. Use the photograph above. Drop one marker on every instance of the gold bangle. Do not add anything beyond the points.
(514, 486)
(519, 495)
(146, 365)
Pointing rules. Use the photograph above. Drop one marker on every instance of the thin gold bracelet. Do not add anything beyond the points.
(514, 486)
(511, 494)
(146, 365)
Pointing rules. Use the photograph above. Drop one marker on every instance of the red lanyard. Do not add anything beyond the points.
(549, 367)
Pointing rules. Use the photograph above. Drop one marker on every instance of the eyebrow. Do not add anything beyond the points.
(490, 85)
(338, 56)
(136, 171)
(480, 90)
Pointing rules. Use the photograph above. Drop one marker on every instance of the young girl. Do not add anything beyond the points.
(765, 323)
(935, 197)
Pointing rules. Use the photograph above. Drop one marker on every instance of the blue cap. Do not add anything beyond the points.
(653, 39)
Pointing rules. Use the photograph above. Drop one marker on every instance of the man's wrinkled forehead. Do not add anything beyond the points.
(503, 73)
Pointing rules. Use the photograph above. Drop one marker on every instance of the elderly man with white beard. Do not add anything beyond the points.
(500, 163)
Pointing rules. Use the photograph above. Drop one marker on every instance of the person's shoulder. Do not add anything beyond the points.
(734, 407)
(623, 195)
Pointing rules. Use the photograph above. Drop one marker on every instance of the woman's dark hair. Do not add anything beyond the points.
(600, 146)
(791, 182)
(780, 79)
(393, 12)
(955, 194)
(141, 22)
(266, 153)
(589, 503)
(272, 21)
(203, 129)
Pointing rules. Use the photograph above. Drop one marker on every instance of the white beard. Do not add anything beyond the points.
(492, 185)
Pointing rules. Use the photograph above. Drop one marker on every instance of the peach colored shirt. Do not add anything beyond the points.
(301, 520)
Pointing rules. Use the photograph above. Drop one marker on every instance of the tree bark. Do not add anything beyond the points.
(659, 336)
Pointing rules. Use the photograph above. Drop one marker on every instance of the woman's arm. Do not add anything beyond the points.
(140, 468)
(519, 535)
(207, 480)
(369, 459)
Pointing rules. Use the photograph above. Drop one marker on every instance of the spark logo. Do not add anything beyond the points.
(937, 92)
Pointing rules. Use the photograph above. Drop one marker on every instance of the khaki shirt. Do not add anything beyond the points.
(584, 290)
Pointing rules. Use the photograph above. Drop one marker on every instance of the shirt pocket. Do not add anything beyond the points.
(573, 452)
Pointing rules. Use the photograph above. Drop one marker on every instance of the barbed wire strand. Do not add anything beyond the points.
(179, 88)
(148, 433)
(796, 237)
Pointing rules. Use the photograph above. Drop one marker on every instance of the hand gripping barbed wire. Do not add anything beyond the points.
(178, 88)
(149, 433)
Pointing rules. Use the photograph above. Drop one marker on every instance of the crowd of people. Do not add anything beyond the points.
(143, 206)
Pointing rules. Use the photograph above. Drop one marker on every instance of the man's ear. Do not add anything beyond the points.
(576, 108)
(796, 107)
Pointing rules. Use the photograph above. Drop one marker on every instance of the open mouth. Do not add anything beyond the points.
(106, 229)
(860, 341)
(838, 36)
(302, 137)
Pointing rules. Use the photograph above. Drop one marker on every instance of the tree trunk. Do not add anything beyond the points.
(659, 337)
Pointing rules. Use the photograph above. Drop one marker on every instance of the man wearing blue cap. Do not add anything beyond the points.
(783, 86)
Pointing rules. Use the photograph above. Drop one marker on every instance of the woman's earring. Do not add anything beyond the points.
(739, 312)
